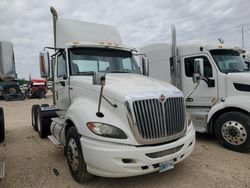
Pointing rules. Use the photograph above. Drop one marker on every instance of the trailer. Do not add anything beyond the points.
(215, 82)
(9, 86)
(110, 117)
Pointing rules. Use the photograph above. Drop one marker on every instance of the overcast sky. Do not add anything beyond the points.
(28, 24)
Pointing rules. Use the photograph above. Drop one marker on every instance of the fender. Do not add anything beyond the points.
(79, 116)
(240, 102)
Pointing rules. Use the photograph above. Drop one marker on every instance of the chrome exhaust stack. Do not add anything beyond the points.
(175, 67)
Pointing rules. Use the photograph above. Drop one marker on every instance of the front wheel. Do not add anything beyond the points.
(77, 165)
(232, 129)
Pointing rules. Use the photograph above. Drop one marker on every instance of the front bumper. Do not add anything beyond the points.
(107, 159)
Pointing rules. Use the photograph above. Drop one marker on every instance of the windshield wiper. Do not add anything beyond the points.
(118, 71)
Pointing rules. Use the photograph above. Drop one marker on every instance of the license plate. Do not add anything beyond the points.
(164, 166)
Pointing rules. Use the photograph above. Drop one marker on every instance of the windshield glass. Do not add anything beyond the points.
(228, 61)
(84, 61)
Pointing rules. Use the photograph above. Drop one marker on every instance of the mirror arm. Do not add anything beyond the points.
(113, 105)
(99, 113)
(53, 48)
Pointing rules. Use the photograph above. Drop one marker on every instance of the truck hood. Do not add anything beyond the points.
(238, 83)
(239, 77)
(120, 85)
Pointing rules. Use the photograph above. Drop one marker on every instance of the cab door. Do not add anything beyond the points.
(205, 96)
(62, 83)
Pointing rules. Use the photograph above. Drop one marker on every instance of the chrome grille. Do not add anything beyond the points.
(165, 152)
(156, 120)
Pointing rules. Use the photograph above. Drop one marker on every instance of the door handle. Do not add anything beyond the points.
(189, 99)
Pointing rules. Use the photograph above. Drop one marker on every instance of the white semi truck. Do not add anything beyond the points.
(112, 120)
(214, 80)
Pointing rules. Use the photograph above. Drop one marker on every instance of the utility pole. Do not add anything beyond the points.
(242, 36)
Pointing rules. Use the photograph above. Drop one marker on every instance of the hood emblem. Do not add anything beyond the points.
(162, 98)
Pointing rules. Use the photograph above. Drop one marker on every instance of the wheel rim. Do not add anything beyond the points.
(72, 154)
(234, 132)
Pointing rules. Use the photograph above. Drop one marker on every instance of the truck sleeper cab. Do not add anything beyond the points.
(146, 132)
(112, 120)
(220, 103)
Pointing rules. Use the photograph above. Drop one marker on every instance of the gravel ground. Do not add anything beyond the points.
(31, 161)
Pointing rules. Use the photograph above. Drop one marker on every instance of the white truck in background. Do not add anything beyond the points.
(112, 120)
(214, 80)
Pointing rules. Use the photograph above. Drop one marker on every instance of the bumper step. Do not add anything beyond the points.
(54, 140)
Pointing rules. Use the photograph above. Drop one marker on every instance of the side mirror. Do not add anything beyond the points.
(198, 70)
(199, 66)
(99, 78)
(44, 64)
(145, 65)
(247, 65)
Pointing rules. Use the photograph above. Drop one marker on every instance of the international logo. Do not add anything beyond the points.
(162, 98)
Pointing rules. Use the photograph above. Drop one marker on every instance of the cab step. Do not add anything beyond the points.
(54, 140)
(2, 169)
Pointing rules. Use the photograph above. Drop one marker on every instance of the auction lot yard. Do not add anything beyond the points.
(32, 162)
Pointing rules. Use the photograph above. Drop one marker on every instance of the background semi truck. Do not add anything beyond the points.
(112, 120)
(215, 81)
(9, 86)
(36, 88)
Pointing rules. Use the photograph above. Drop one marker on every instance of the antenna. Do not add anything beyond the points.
(242, 37)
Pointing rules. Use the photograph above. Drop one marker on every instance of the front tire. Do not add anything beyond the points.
(232, 129)
(77, 165)
(2, 127)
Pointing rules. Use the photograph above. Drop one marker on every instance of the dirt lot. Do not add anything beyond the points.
(30, 160)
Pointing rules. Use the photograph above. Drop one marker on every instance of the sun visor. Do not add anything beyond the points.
(71, 30)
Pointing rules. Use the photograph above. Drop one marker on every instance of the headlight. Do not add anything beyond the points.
(106, 130)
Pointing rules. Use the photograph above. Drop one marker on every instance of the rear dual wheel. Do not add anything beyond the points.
(34, 116)
(43, 122)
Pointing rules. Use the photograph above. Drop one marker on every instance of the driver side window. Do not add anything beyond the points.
(189, 66)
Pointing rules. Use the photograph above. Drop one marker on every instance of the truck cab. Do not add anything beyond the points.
(112, 119)
(219, 101)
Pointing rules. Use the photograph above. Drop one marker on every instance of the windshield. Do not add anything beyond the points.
(86, 61)
(228, 61)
